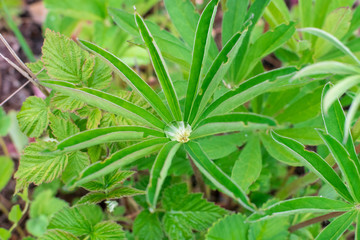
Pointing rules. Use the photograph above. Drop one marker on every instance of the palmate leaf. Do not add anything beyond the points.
(185, 212)
(160, 68)
(203, 31)
(132, 78)
(215, 74)
(315, 163)
(159, 171)
(103, 135)
(301, 205)
(106, 102)
(34, 116)
(233, 12)
(120, 159)
(58, 235)
(222, 181)
(230, 123)
(338, 226)
(38, 166)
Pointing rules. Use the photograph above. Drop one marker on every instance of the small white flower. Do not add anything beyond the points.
(178, 131)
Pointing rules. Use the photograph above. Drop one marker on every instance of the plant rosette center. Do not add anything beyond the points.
(178, 131)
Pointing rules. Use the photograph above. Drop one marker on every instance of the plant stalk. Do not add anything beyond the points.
(199, 179)
(315, 220)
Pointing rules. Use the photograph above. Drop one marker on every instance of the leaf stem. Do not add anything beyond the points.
(4, 148)
(315, 220)
(199, 179)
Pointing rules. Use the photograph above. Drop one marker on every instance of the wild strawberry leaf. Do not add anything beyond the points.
(77, 161)
(147, 226)
(58, 234)
(97, 197)
(62, 128)
(34, 116)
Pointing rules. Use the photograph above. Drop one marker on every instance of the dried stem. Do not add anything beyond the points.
(315, 220)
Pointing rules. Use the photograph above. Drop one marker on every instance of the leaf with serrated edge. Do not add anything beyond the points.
(230, 227)
(301, 205)
(147, 226)
(216, 175)
(159, 171)
(58, 235)
(96, 197)
(33, 117)
(107, 230)
(316, 164)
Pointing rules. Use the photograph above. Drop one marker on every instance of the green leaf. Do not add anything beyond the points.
(231, 227)
(233, 13)
(106, 102)
(278, 152)
(264, 45)
(97, 197)
(77, 161)
(37, 226)
(33, 117)
(339, 89)
(101, 77)
(171, 47)
(215, 75)
(301, 205)
(132, 78)
(203, 32)
(230, 123)
(160, 68)
(147, 226)
(6, 171)
(66, 103)
(345, 163)
(104, 135)
(107, 230)
(338, 226)
(15, 213)
(184, 17)
(120, 159)
(65, 60)
(109, 181)
(40, 163)
(185, 212)
(159, 171)
(222, 181)
(327, 67)
(337, 24)
(248, 167)
(62, 128)
(4, 234)
(246, 91)
(315, 163)
(351, 115)
(79, 220)
(5, 122)
(58, 235)
(333, 40)
(45, 204)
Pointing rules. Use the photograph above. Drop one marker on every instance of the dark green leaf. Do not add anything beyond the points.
(230, 227)
(147, 226)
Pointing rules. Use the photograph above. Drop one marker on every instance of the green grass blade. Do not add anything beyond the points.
(119, 160)
(334, 122)
(215, 74)
(301, 205)
(230, 123)
(336, 42)
(159, 171)
(133, 79)
(351, 115)
(346, 164)
(106, 102)
(103, 135)
(315, 163)
(338, 226)
(203, 31)
(216, 175)
(246, 91)
(160, 68)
